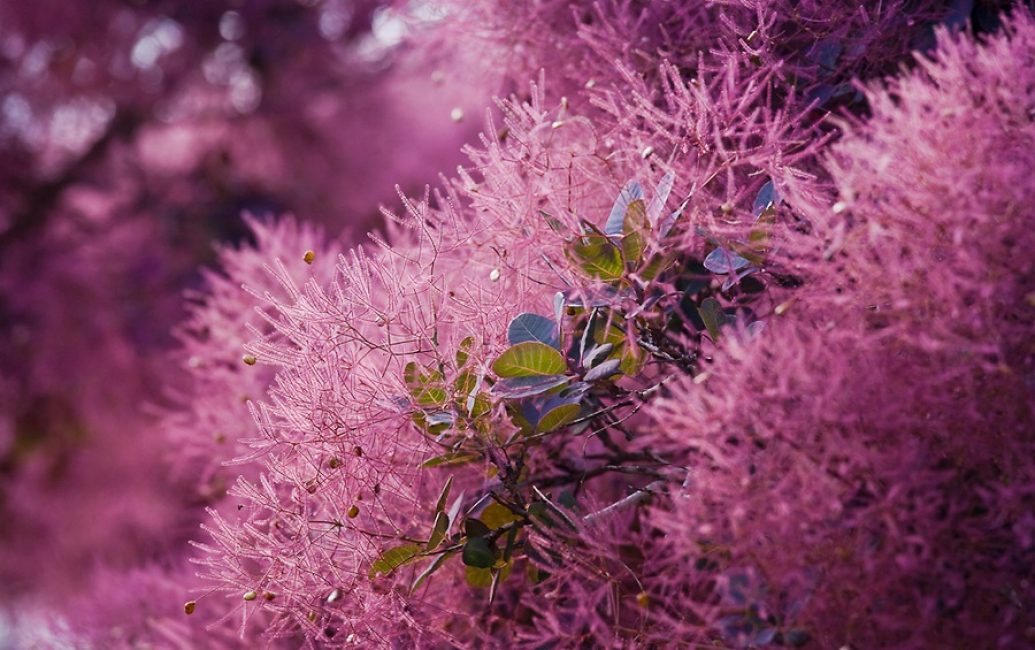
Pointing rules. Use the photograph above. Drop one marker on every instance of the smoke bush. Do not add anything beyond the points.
(679, 358)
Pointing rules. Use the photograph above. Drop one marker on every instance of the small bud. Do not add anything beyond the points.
(250, 595)
(334, 463)
(457, 114)
(642, 599)
(353, 512)
(311, 616)
(249, 359)
(494, 275)
(309, 257)
(189, 607)
(358, 451)
(269, 595)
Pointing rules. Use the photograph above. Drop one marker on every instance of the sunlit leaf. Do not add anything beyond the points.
(438, 531)
(597, 256)
(478, 578)
(425, 385)
(634, 241)
(529, 359)
(557, 412)
(497, 515)
(450, 459)
(463, 352)
(392, 559)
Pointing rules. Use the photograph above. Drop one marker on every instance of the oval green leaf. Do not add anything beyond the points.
(529, 359)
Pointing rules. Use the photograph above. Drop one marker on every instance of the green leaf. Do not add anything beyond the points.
(478, 578)
(392, 559)
(497, 515)
(597, 256)
(657, 265)
(426, 386)
(557, 417)
(463, 353)
(435, 565)
(555, 224)
(484, 578)
(634, 242)
(443, 496)
(711, 314)
(438, 531)
(452, 458)
(476, 528)
(529, 359)
(464, 385)
(478, 552)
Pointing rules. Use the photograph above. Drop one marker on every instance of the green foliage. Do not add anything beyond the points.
(529, 359)
(392, 559)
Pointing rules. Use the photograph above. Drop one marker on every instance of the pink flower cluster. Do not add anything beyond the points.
(722, 338)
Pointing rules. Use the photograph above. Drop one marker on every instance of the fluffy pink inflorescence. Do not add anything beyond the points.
(865, 466)
(856, 473)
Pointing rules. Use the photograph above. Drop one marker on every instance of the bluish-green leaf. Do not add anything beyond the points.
(723, 260)
(616, 220)
(603, 370)
(521, 387)
(766, 199)
(532, 327)
(657, 202)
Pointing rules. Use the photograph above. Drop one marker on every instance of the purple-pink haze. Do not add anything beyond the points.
(678, 324)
